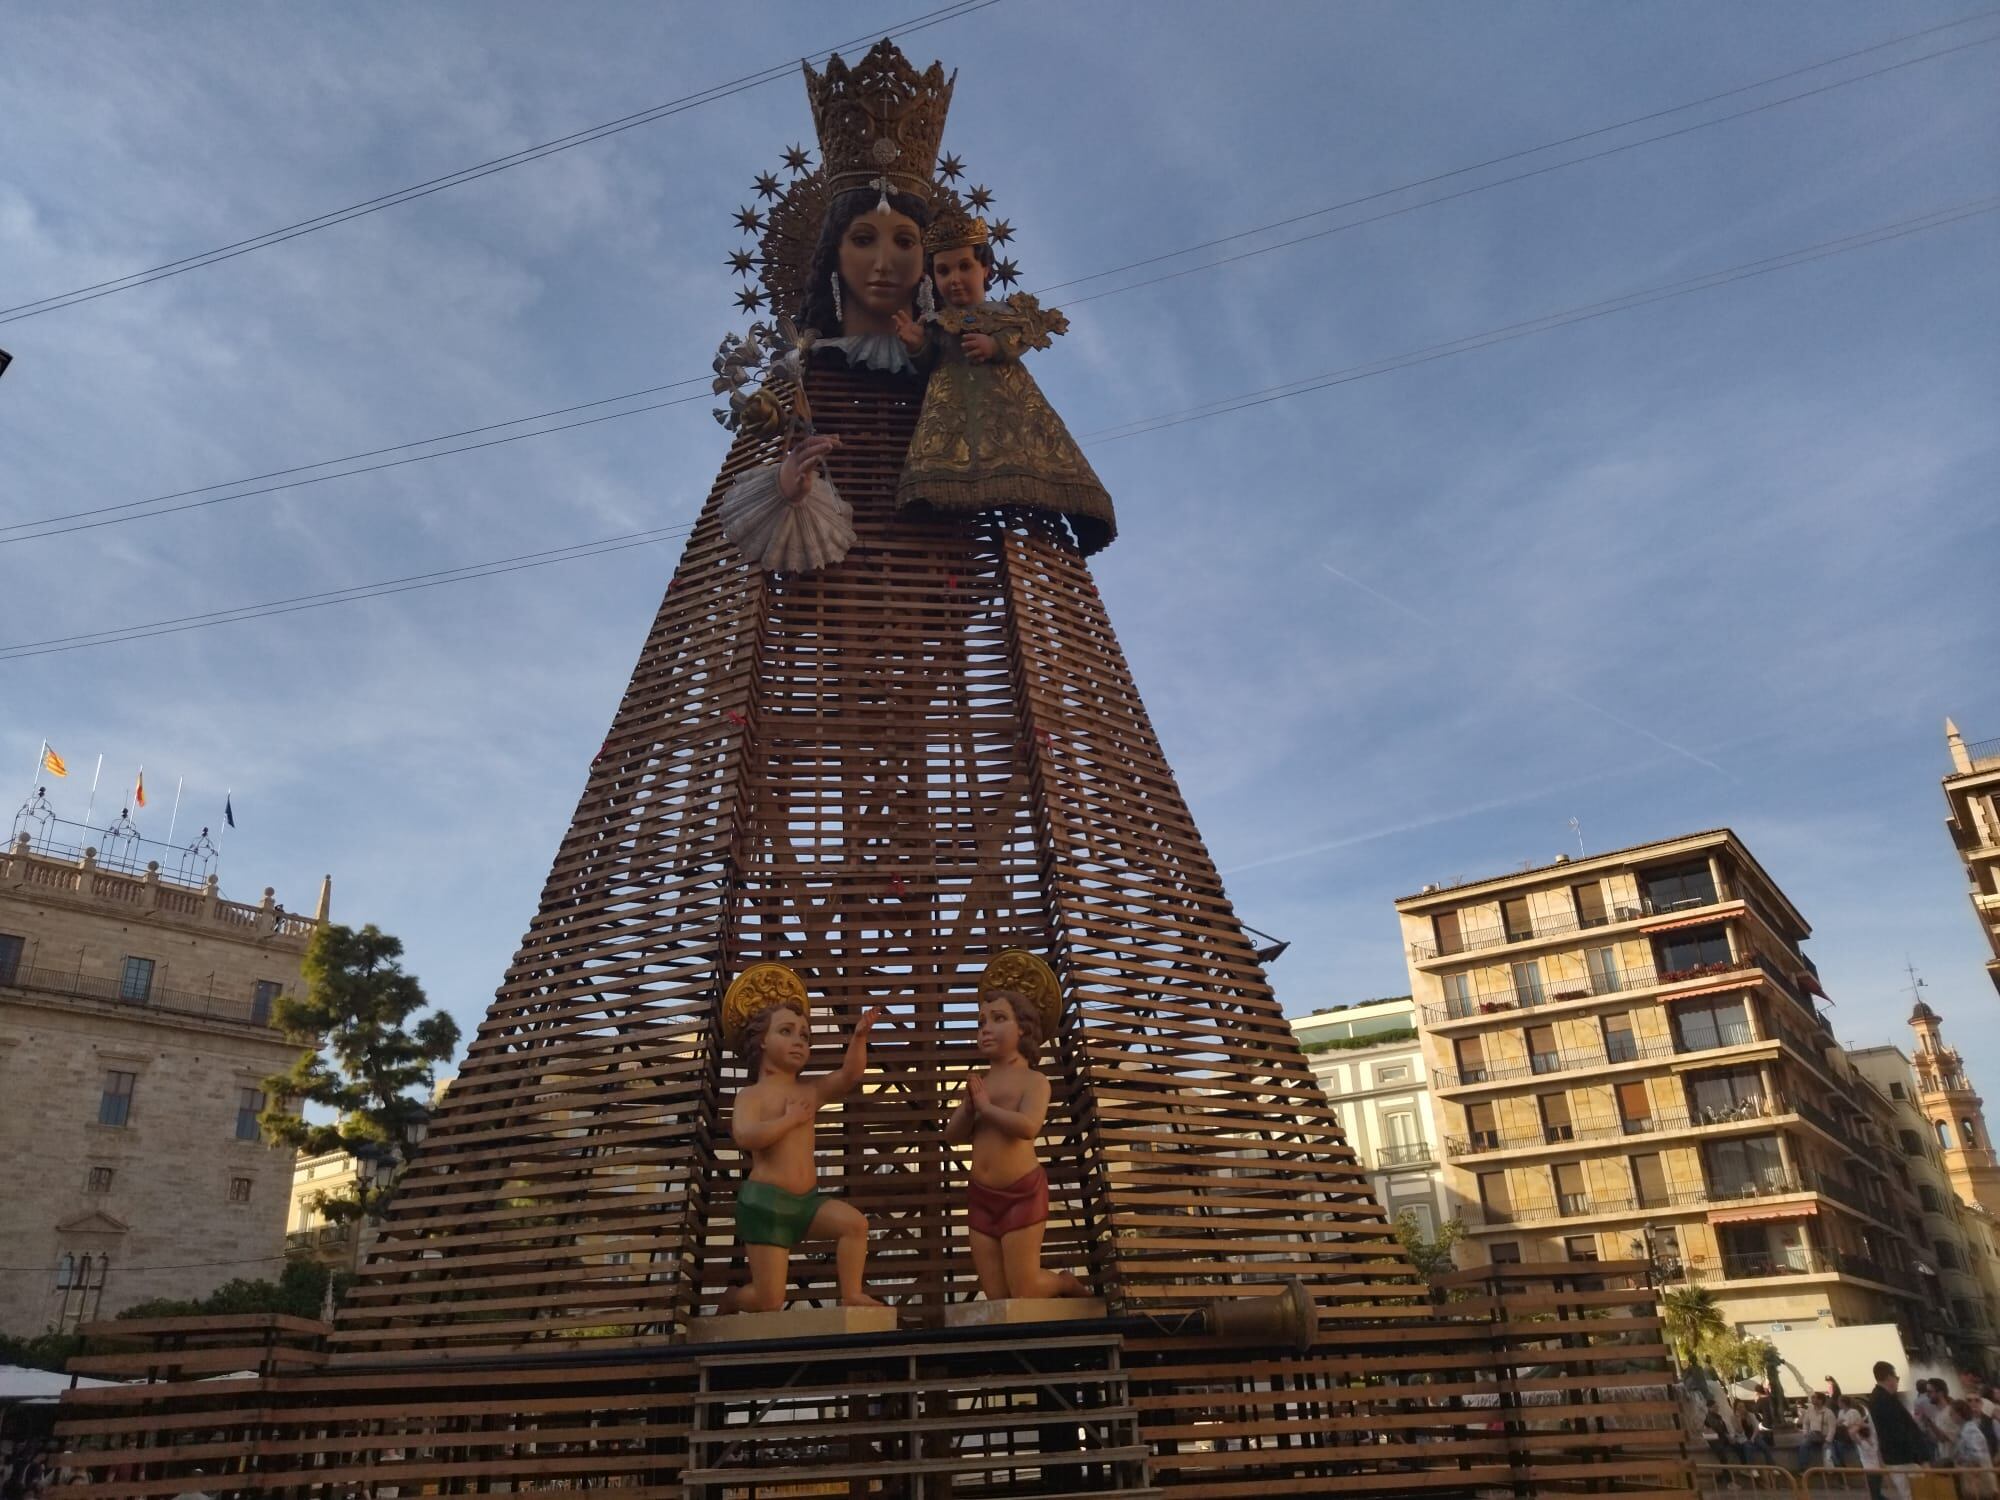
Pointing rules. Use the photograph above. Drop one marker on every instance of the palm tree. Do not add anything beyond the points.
(1690, 1319)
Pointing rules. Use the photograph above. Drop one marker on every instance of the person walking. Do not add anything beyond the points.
(1817, 1425)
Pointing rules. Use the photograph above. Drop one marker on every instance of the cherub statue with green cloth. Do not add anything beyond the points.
(767, 1020)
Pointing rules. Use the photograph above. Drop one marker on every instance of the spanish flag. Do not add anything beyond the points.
(139, 788)
(52, 762)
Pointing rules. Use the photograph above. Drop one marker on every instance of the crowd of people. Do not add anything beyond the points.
(28, 1469)
(1880, 1432)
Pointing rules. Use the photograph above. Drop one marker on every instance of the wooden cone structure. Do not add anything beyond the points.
(883, 775)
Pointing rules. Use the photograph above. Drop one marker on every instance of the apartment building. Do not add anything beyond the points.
(1627, 1059)
(1369, 1061)
(1972, 793)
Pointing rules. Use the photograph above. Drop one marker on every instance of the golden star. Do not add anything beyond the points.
(797, 158)
(767, 185)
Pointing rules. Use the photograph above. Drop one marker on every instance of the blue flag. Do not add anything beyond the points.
(228, 812)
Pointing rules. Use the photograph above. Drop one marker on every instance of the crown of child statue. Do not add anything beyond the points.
(879, 124)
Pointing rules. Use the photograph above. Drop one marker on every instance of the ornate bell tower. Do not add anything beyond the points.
(1956, 1113)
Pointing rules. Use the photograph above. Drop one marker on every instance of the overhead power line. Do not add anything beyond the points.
(1624, 302)
(270, 237)
(57, 525)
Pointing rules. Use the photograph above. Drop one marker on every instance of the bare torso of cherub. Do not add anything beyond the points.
(1000, 1158)
(788, 1162)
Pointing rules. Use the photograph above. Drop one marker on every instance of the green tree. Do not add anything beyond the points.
(1691, 1320)
(363, 1057)
(1431, 1257)
(42, 1351)
(300, 1290)
(1738, 1356)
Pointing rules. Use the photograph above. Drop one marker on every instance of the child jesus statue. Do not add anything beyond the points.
(767, 1020)
(1007, 1203)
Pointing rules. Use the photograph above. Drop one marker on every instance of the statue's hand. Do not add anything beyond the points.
(797, 1112)
(910, 331)
(975, 1089)
(979, 347)
(795, 474)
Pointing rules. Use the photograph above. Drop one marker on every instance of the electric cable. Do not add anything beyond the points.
(59, 300)
(1644, 296)
(141, 510)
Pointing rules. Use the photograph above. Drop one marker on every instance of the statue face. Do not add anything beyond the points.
(999, 1029)
(960, 278)
(788, 1044)
(881, 260)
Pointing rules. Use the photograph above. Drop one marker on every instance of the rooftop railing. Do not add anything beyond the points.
(1985, 754)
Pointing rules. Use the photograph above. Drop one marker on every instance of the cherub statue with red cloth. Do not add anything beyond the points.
(1007, 1202)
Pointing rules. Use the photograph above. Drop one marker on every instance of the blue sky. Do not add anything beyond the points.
(1727, 559)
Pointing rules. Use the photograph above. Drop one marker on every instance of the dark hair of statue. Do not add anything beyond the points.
(818, 310)
(981, 253)
(1028, 1016)
(751, 1048)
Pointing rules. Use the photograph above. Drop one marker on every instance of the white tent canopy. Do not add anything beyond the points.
(19, 1383)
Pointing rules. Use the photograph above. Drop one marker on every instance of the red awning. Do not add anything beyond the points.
(1742, 981)
(1706, 920)
(1762, 1211)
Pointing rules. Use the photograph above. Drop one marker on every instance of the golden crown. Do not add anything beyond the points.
(1024, 974)
(952, 228)
(880, 121)
(756, 990)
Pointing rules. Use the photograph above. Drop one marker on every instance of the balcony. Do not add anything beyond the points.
(1583, 1205)
(1544, 1063)
(1478, 939)
(1403, 1154)
(1660, 1122)
(1500, 998)
(156, 997)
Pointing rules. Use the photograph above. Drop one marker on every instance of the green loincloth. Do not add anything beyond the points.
(768, 1215)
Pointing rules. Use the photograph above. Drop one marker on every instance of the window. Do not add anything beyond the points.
(1542, 1054)
(1422, 1213)
(1745, 1167)
(1913, 1144)
(1589, 904)
(65, 1271)
(99, 1181)
(1649, 1179)
(1693, 948)
(1493, 1198)
(10, 956)
(249, 1105)
(260, 1002)
(1483, 1128)
(1556, 1123)
(1896, 1090)
(1471, 1060)
(1528, 982)
(1392, 1073)
(1676, 886)
(1943, 1133)
(1504, 1253)
(1514, 919)
(1580, 1247)
(1663, 1245)
(1928, 1196)
(1457, 995)
(1572, 1197)
(1702, 1024)
(137, 983)
(1717, 1097)
(1967, 1136)
(1948, 1256)
(1603, 966)
(114, 1105)
(239, 1190)
(1621, 1044)
(1449, 938)
(1635, 1108)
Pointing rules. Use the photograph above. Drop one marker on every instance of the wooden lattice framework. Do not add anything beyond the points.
(883, 775)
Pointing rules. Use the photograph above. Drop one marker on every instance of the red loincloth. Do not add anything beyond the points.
(996, 1212)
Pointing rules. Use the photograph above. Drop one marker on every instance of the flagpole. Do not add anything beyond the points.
(35, 780)
(90, 805)
(178, 780)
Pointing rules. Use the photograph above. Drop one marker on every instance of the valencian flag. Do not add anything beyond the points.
(228, 810)
(53, 763)
(139, 788)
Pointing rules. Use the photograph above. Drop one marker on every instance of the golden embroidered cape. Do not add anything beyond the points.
(987, 436)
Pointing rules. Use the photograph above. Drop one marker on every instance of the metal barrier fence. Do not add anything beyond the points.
(1714, 1480)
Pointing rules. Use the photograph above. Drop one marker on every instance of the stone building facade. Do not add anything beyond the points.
(134, 1038)
(1972, 793)
(1370, 1064)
